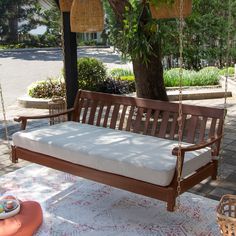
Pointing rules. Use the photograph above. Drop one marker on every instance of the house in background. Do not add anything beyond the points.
(87, 38)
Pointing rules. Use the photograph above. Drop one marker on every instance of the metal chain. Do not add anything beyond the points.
(5, 123)
(180, 115)
(226, 87)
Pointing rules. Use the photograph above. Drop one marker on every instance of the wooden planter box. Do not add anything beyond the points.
(165, 11)
(65, 5)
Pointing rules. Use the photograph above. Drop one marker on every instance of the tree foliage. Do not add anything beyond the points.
(205, 34)
(18, 18)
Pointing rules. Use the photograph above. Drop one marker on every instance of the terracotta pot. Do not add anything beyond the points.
(87, 16)
(65, 5)
(165, 11)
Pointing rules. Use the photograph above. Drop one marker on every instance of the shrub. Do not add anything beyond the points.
(229, 71)
(47, 89)
(91, 72)
(119, 72)
(114, 86)
(131, 82)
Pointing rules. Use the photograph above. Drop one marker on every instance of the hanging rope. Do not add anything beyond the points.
(226, 84)
(5, 123)
(180, 115)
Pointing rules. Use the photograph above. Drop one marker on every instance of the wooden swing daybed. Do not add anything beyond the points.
(129, 143)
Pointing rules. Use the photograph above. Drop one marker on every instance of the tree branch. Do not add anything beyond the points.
(118, 7)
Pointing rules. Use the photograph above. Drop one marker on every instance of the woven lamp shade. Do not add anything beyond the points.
(87, 16)
(65, 5)
(166, 11)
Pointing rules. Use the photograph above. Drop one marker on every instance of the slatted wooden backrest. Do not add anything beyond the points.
(148, 117)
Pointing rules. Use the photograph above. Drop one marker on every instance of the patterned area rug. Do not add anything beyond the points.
(74, 206)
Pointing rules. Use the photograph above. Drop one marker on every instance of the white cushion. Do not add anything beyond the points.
(129, 154)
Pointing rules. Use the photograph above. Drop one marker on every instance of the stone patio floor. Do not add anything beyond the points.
(208, 188)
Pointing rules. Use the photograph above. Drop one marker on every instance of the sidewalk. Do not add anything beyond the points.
(208, 188)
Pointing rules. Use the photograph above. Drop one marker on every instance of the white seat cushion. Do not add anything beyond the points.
(129, 154)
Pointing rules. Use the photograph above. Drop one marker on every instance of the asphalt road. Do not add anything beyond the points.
(19, 68)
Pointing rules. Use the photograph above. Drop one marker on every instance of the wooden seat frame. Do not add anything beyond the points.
(202, 126)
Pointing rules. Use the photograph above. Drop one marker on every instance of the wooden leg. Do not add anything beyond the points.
(171, 202)
(214, 174)
(14, 158)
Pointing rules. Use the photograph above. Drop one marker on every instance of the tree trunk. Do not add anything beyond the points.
(149, 78)
(13, 23)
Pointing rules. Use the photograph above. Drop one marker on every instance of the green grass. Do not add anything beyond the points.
(204, 77)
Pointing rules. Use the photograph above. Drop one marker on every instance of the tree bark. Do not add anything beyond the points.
(13, 23)
(148, 76)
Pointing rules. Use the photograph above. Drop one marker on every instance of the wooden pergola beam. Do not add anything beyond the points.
(69, 46)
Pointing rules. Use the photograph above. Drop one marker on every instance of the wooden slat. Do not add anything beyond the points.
(147, 121)
(137, 124)
(122, 118)
(78, 110)
(202, 129)
(213, 127)
(99, 115)
(192, 129)
(164, 124)
(92, 112)
(115, 113)
(86, 105)
(108, 108)
(154, 104)
(173, 126)
(220, 126)
(184, 116)
(131, 112)
(155, 122)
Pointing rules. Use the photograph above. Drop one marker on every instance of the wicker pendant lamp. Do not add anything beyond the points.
(87, 16)
(166, 11)
(65, 5)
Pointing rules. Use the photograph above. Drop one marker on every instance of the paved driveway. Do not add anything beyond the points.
(19, 68)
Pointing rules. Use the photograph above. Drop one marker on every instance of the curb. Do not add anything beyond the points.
(47, 49)
(39, 103)
(199, 96)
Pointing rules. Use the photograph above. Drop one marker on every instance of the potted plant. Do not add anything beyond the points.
(164, 9)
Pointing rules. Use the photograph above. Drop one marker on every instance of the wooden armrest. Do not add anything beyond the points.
(194, 147)
(23, 119)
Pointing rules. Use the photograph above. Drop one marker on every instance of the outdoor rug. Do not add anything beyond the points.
(74, 206)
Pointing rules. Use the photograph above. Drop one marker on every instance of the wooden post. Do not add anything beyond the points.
(70, 60)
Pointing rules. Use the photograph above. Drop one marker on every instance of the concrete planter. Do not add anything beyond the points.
(231, 84)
